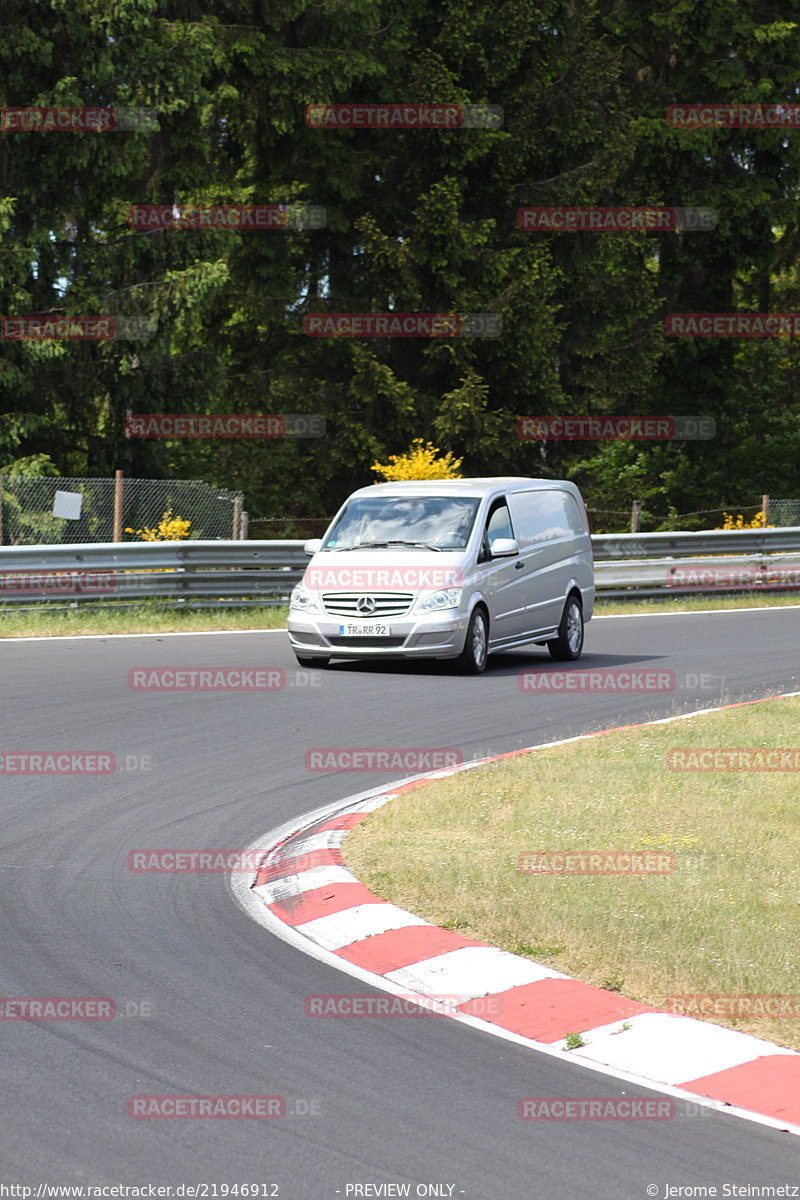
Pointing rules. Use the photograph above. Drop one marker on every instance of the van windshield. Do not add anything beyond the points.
(424, 522)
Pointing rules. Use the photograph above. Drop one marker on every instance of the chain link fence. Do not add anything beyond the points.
(291, 528)
(26, 509)
(784, 512)
(26, 512)
(602, 520)
(612, 520)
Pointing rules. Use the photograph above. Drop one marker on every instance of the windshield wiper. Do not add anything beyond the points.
(423, 545)
(386, 545)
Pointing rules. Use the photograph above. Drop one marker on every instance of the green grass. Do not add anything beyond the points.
(609, 608)
(142, 618)
(723, 922)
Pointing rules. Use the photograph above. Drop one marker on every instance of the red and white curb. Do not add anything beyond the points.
(303, 892)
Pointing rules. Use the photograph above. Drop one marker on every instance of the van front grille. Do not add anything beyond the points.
(387, 604)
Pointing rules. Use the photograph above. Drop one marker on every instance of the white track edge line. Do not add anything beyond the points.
(107, 637)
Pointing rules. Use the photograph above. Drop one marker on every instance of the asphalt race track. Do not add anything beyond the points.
(216, 1003)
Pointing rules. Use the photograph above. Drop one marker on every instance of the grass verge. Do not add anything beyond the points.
(150, 618)
(142, 618)
(723, 923)
(611, 608)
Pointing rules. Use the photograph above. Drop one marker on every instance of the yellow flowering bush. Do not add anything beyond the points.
(168, 529)
(419, 462)
(738, 522)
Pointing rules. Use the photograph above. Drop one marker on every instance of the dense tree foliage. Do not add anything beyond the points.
(417, 220)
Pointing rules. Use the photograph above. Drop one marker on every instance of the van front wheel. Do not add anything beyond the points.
(472, 659)
(569, 644)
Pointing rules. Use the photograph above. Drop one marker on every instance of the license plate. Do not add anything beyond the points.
(366, 630)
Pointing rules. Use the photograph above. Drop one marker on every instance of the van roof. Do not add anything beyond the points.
(462, 487)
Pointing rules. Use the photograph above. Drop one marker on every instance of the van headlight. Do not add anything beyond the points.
(302, 600)
(451, 598)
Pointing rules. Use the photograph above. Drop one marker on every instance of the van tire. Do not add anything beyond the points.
(472, 659)
(569, 644)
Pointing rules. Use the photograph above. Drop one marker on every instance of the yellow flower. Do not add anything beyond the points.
(419, 462)
(169, 529)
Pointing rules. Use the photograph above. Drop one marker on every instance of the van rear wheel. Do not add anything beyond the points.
(472, 659)
(569, 644)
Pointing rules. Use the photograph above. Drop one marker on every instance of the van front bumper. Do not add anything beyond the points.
(436, 635)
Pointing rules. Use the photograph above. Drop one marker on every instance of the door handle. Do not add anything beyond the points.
(518, 566)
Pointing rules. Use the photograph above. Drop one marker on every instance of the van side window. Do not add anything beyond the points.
(498, 525)
(540, 516)
(574, 515)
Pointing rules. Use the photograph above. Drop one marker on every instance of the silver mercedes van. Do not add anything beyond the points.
(451, 569)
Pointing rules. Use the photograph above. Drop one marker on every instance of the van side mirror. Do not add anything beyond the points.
(313, 546)
(504, 547)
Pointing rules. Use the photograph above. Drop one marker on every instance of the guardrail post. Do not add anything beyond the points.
(118, 477)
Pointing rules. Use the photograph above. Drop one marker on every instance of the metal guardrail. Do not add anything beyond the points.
(651, 577)
(783, 539)
(240, 573)
(131, 556)
(188, 573)
(643, 565)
